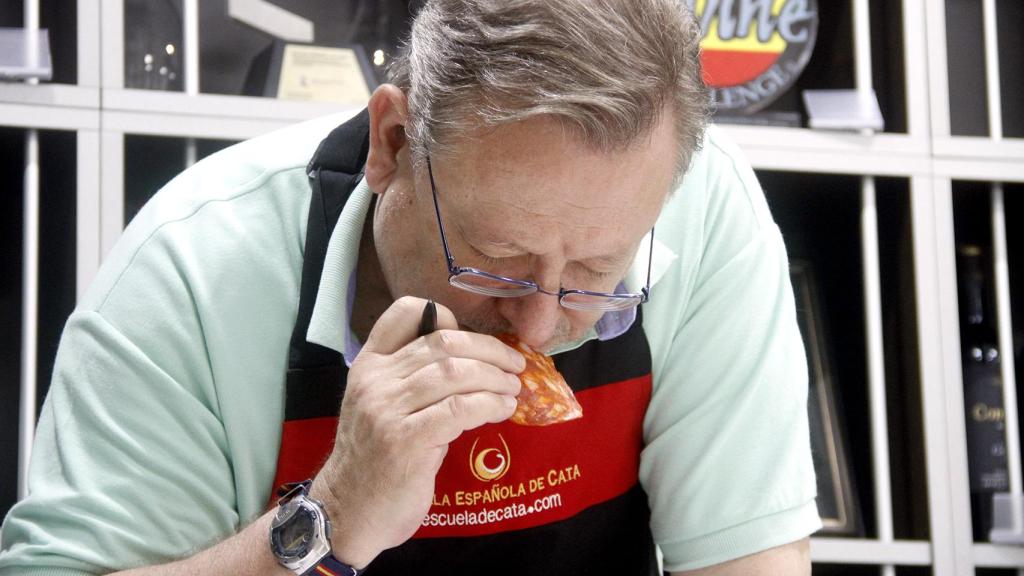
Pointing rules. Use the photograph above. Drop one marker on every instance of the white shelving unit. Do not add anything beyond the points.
(102, 111)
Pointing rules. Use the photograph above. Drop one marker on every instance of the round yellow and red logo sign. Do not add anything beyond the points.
(753, 50)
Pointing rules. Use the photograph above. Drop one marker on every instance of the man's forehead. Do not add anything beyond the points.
(533, 179)
(587, 189)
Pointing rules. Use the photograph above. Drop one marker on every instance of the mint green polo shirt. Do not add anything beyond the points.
(160, 433)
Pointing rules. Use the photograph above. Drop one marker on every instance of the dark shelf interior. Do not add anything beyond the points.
(973, 226)
(56, 276)
(968, 106)
(228, 46)
(819, 216)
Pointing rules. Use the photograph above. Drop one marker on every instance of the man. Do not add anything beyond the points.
(515, 172)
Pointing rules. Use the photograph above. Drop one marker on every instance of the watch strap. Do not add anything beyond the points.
(331, 566)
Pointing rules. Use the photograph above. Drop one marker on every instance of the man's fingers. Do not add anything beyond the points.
(453, 376)
(400, 324)
(443, 421)
(444, 344)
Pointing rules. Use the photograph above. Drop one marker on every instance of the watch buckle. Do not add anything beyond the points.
(289, 490)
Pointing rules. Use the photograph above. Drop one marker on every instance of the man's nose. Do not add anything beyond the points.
(534, 318)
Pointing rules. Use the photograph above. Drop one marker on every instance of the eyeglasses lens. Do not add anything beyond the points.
(489, 286)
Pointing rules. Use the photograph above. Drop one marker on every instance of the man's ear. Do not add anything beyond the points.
(388, 113)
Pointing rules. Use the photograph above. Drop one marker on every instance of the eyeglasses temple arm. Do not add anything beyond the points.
(437, 210)
(650, 264)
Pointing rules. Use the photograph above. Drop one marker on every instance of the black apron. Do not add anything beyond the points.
(509, 499)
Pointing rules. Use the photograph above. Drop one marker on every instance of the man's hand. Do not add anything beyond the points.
(407, 398)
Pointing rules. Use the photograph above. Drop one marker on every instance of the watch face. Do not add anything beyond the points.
(292, 538)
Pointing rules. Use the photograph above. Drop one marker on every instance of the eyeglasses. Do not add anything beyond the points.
(488, 284)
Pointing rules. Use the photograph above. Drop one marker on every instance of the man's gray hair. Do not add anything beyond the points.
(605, 69)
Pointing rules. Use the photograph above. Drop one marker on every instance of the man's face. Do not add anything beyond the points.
(524, 201)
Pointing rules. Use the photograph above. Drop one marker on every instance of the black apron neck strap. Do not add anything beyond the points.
(345, 148)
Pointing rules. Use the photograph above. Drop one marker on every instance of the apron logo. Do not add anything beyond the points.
(491, 462)
(753, 50)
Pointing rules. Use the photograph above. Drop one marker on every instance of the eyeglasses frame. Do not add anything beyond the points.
(454, 271)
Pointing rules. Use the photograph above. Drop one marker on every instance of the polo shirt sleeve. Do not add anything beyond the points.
(727, 463)
(130, 464)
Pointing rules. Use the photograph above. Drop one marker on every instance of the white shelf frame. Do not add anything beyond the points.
(871, 552)
(102, 111)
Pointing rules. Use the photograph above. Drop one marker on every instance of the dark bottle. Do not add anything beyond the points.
(983, 388)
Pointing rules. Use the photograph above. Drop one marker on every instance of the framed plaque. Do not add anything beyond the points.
(837, 498)
(295, 71)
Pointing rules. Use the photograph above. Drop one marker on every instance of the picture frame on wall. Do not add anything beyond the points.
(838, 504)
(312, 73)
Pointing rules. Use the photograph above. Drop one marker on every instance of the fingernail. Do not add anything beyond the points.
(511, 402)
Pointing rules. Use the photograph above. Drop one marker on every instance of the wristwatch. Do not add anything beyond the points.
(300, 535)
